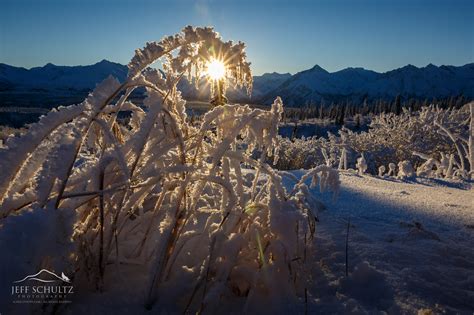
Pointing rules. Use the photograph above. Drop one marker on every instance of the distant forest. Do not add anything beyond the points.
(340, 111)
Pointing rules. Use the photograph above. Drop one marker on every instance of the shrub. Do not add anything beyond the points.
(436, 133)
(156, 188)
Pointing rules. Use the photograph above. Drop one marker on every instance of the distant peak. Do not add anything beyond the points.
(49, 65)
(410, 66)
(275, 74)
(105, 62)
(353, 69)
(318, 68)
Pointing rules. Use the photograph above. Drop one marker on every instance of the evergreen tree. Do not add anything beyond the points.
(397, 105)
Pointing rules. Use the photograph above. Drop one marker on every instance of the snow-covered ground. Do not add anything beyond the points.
(410, 250)
(410, 247)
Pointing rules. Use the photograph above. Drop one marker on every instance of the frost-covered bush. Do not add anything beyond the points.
(343, 160)
(381, 170)
(186, 204)
(433, 132)
(393, 138)
(361, 165)
(300, 153)
(392, 169)
(405, 170)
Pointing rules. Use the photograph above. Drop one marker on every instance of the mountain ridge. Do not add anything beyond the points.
(356, 84)
(306, 87)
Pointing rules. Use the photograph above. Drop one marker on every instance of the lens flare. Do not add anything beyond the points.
(215, 69)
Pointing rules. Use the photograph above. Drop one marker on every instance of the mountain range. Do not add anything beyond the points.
(53, 78)
(303, 88)
(315, 84)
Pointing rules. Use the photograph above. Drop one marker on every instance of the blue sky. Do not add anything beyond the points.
(282, 36)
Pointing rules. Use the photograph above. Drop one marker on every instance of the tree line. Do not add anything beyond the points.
(340, 111)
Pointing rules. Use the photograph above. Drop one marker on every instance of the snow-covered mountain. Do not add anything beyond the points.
(306, 87)
(53, 77)
(60, 79)
(316, 84)
(268, 82)
(261, 86)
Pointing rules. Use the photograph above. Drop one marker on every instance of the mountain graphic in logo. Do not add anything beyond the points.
(46, 276)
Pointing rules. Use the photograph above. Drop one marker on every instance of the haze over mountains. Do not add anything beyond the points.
(303, 88)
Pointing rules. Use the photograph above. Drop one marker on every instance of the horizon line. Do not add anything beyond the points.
(269, 72)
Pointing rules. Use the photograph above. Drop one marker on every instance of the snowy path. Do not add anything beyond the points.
(411, 246)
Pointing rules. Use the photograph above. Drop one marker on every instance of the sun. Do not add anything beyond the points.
(215, 69)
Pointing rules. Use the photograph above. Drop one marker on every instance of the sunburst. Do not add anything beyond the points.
(216, 69)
